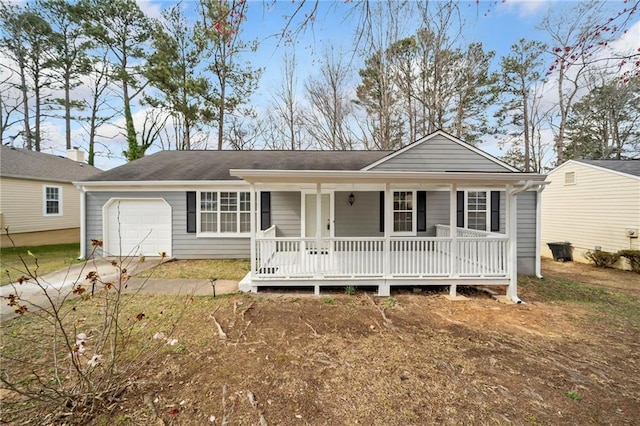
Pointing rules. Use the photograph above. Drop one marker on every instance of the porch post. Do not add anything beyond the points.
(453, 234)
(385, 289)
(252, 207)
(318, 235)
(512, 232)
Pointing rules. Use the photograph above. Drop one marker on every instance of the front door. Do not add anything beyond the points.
(311, 213)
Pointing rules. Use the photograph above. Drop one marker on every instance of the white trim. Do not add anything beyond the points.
(379, 176)
(452, 139)
(303, 211)
(487, 225)
(160, 183)
(105, 221)
(44, 200)
(615, 172)
(237, 234)
(414, 211)
(83, 223)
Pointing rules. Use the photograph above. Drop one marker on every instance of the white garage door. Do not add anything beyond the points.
(138, 227)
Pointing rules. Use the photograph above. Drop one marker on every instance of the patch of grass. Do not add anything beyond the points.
(329, 300)
(350, 290)
(390, 302)
(573, 395)
(222, 269)
(50, 259)
(600, 300)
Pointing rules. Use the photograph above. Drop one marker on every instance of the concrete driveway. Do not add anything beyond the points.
(57, 285)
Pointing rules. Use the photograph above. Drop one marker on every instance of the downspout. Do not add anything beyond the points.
(83, 223)
(539, 230)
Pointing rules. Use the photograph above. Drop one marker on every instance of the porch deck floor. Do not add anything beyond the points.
(361, 264)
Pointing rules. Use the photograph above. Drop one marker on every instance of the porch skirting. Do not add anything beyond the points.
(384, 284)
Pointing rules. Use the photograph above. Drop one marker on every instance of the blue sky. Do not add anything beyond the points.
(497, 24)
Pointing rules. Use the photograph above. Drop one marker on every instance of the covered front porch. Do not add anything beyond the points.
(345, 238)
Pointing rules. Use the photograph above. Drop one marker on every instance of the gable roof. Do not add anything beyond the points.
(26, 164)
(629, 167)
(435, 159)
(215, 165)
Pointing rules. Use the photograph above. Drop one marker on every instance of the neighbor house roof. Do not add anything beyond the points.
(215, 165)
(26, 164)
(630, 167)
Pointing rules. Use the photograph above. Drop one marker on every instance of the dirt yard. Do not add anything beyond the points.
(570, 355)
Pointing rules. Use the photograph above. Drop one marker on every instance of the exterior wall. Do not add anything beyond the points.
(42, 238)
(595, 211)
(285, 213)
(440, 154)
(362, 219)
(21, 207)
(526, 204)
(184, 245)
(437, 211)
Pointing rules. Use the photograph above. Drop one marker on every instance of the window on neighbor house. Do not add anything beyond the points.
(403, 205)
(225, 212)
(477, 210)
(52, 201)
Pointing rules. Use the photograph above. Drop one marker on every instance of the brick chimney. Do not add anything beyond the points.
(75, 154)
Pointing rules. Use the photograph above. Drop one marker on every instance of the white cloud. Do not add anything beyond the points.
(151, 8)
(524, 8)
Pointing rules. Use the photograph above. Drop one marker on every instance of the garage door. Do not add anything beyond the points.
(138, 227)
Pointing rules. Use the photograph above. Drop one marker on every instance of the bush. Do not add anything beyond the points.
(633, 256)
(602, 259)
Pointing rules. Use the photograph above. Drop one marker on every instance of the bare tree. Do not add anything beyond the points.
(327, 121)
(9, 104)
(579, 39)
(285, 120)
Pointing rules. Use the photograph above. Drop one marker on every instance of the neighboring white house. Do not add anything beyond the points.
(436, 212)
(38, 203)
(593, 204)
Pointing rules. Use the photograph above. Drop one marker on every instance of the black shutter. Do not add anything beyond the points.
(381, 211)
(191, 211)
(460, 209)
(265, 210)
(422, 211)
(495, 211)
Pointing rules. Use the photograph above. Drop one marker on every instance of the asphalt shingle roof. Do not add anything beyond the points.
(22, 163)
(215, 165)
(630, 167)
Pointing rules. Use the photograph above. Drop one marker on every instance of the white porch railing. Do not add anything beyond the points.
(445, 231)
(368, 257)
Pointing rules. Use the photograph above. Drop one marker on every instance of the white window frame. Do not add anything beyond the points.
(414, 208)
(218, 212)
(487, 212)
(44, 200)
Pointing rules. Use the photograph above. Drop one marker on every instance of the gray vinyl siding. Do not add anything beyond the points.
(437, 210)
(362, 219)
(527, 232)
(440, 155)
(184, 245)
(285, 213)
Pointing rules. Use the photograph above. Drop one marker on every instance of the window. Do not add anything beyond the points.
(225, 212)
(52, 201)
(403, 214)
(477, 210)
(570, 178)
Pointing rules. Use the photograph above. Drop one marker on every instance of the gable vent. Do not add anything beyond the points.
(570, 178)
